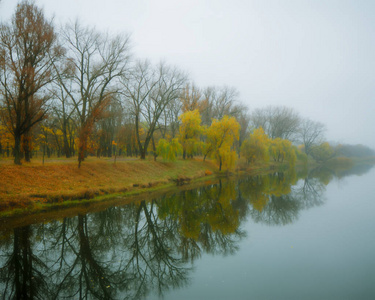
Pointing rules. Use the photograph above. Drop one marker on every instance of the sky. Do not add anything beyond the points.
(317, 57)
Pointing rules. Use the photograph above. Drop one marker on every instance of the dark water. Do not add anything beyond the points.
(279, 236)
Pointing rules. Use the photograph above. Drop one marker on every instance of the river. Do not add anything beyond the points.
(278, 236)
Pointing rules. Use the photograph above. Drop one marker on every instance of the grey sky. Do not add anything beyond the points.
(315, 56)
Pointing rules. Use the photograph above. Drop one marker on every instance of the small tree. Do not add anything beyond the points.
(169, 150)
(220, 137)
(323, 152)
(256, 146)
(190, 130)
(281, 150)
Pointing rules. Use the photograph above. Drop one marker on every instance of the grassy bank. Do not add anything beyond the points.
(61, 181)
(59, 184)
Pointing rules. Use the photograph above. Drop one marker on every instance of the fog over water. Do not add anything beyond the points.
(315, 56)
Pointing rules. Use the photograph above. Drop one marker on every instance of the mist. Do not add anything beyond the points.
(317, 57)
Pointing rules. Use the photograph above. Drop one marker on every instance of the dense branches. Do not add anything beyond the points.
(149, 91)
(311, 134)
(28, 49)
(93, 63)
(97, 98)
(277, 121)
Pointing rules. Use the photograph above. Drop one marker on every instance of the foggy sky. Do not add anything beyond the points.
(317, 57)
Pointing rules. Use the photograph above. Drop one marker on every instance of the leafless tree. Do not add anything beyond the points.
(218, 102)
(63, 110)
(28, 48)
(94, 62)
(149, 91)
(310, 134)
(277, 121)
(243, 118)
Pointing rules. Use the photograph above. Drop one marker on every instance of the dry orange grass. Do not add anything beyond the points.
(61, 179)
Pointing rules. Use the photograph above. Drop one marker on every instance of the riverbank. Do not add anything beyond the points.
(58, 181)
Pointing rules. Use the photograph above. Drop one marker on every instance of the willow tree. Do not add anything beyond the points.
(256, 146)
(190, 130)
(221, 136)
(28, 48)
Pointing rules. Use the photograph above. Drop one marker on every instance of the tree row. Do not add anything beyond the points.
(75, 91)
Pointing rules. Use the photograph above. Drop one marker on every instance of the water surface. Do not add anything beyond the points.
(278, 236)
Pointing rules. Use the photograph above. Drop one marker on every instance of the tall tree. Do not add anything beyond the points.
(137, 87)
(63, 110)
(94, 62)
(149, 91)
(28, 48)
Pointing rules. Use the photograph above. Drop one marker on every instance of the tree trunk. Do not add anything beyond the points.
(143, 153)
(81, 154)
(17, 149)
(27, 146)
(154, 148)
(66, 142)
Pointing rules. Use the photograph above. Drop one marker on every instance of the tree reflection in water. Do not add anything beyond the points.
(130, 251)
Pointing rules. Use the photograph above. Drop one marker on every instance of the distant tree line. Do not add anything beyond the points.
(76, 91)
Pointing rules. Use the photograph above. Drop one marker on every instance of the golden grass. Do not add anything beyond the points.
(61, 180)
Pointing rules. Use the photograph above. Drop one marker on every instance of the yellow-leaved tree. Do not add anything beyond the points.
(169, 150)
(220, 138)
(281, 149)
(322, 152)
(190, 130)
(256, 146)
(6, 140)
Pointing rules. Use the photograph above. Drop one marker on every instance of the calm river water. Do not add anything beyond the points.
(279, 236)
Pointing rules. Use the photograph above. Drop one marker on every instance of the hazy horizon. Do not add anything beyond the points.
(317, 57)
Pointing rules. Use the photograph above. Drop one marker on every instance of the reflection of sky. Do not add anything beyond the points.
(326, 254)
(314, 56)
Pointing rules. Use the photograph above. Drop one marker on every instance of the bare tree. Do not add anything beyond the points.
(243, 118)
(218, 102)
(173, 111)
(94, 62)
(149, 91)
(310, 134)
(137, 87)
(28, 47)
(277, 121)
(191, 98)
(168, 90)
(63, 110)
